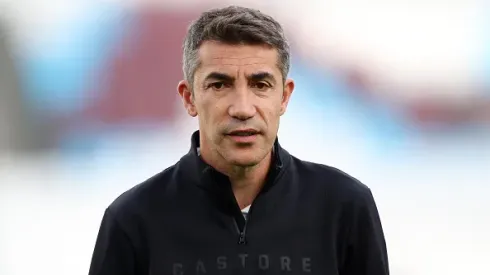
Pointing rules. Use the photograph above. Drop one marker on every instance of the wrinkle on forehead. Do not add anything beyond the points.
(219, 55)
(238, 61)
(234, 64)
(241, 61)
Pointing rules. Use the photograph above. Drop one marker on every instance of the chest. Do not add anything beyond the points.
(205, 241)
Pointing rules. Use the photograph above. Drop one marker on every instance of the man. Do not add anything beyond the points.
(300, 217)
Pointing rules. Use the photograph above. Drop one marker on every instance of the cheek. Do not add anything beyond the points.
(211, 111)
(271, 115)
(275, 107)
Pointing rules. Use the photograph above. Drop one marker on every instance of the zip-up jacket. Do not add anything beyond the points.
(308, 219)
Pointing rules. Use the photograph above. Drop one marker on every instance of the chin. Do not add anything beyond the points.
(244, 160)
(244, 157)
(244, 163)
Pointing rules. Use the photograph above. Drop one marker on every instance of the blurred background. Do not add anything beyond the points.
(396, 93)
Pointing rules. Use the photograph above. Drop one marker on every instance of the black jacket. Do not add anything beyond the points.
(308, 219)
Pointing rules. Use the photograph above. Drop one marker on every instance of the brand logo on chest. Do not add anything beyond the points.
(261, 262)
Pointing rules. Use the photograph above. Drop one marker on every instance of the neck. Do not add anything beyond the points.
(246, 182)
(241, 177)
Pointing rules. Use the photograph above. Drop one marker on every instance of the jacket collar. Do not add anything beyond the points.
(205, 175)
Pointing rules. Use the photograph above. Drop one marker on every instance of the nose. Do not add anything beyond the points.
(242, 106)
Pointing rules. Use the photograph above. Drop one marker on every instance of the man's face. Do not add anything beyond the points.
(238, 95)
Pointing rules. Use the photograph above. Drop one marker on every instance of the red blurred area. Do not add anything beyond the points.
(139, 82)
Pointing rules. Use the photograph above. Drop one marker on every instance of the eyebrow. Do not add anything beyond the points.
(261, 76)
(252, 77)
(219, 76)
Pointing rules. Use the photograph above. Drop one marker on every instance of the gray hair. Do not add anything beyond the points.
(235, 26)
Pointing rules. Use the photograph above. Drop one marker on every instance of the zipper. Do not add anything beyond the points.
(242, 234)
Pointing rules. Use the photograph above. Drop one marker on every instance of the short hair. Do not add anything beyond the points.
(234, 25)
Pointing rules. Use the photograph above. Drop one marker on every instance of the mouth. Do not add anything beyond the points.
(244, 133)
(246, 136)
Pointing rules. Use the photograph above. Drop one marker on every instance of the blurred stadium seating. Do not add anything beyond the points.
(396, 94)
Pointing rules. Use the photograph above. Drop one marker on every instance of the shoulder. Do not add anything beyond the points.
(136, 200)
(332, 180)
(340, 192)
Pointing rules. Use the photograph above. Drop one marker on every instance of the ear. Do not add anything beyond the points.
(286, 94)
(185, 92)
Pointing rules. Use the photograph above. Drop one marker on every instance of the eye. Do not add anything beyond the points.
(260, 85)
(217, 86)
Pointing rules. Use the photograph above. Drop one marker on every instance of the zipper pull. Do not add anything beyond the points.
(241, 239)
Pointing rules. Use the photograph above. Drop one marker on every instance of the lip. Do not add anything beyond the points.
(235, 135)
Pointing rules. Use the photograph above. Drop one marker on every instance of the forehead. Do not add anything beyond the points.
(225, 58)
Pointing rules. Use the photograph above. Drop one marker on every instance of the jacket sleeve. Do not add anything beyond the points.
(113, 253)
(366, 248)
